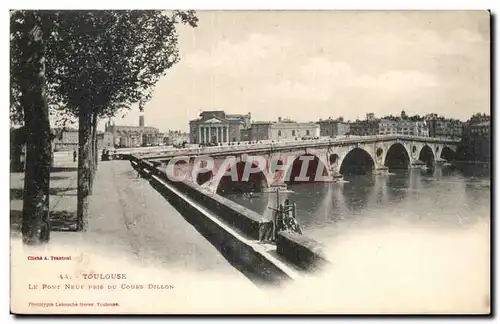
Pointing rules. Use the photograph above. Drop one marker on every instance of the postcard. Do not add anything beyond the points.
(250, 162)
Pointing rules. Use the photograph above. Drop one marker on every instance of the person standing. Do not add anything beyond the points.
(74, 155)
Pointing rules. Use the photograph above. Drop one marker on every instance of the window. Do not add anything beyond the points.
(279, 133)
(293, 132)
(307, 132)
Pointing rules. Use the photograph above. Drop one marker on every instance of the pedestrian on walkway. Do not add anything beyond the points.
(74, 155)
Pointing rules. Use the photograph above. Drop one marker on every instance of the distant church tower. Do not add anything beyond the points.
(141, 121)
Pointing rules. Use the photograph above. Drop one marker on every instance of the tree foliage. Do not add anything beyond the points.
(478, 118)
(103, 59)
(108, 60)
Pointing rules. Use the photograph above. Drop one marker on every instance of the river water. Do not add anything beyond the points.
(442, 199)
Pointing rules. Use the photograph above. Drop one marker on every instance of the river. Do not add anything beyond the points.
(444, 199)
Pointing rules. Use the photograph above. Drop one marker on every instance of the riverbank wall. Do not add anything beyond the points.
(239, 233)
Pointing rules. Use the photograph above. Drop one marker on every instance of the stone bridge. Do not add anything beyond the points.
(275, 164)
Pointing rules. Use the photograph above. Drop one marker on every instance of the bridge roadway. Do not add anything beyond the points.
(160, 154)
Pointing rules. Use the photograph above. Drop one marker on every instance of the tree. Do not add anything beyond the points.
(478, 118)
(104, 61)
(29, 32)
(87, 65)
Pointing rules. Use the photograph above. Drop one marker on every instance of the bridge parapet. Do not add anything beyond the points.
(245, 148)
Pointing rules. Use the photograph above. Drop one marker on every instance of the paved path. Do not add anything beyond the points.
(127, 213)
(127, 217)
(62, 195)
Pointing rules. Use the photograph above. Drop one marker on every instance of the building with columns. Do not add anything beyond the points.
(218, 127)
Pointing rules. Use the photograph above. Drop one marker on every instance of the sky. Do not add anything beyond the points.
(307, 65)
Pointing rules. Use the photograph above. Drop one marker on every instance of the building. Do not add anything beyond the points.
(421, 129)
(245, 134)
(283, 129)
(218, 127)
(105, 140)
(364, 127)
(481, 129)
(477, 139)
(332, 127)
(449, 128)
(431, 120)
(134, 136)
(403, 127)
(444, 127)
(176, 138)
(388, 126)
(65, 139)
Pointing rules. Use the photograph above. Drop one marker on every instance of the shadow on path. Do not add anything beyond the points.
(63, 169)
(59, 177)
(17, 193)
(60, 221)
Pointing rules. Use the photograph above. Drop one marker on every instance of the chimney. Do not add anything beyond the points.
(141, 121)
(279, 119)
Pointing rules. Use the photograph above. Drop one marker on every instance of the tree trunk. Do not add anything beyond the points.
(96, 150)
(36, 222)
(93, 165)
(84, 167)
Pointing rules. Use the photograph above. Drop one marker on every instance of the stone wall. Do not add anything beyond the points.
(301, 250)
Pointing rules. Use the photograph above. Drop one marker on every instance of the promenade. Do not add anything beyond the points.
(127, 218)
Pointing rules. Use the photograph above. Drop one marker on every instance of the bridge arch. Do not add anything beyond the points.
(254, 183)
(205, 176)
(314, 165)
(447, 154)
(426, 155)
(397, 157)
(357, 161)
